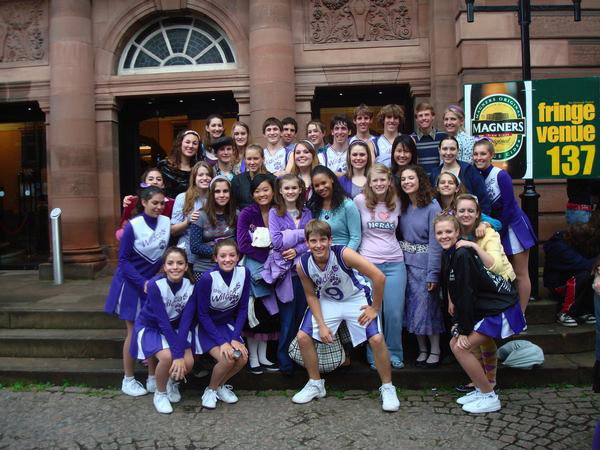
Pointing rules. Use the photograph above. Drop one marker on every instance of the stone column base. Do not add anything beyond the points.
(73, 271)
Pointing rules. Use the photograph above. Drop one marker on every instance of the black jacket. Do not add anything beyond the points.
(475, 291)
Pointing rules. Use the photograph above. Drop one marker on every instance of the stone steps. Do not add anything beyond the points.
(15, 315)
(107, 343)
(572, 369)
(58, 343)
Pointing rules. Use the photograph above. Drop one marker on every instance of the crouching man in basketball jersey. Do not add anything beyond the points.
(336, 290)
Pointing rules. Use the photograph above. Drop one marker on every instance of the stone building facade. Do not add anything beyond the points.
(80, 66)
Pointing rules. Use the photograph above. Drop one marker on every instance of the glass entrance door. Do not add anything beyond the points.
(23, 187)
(148, 126)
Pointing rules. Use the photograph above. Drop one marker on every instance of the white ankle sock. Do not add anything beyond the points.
(262, 353)
(253, 352)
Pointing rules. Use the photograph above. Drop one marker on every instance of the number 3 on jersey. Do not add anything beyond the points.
(334, 293)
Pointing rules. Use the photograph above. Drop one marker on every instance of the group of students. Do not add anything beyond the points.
(293, 239)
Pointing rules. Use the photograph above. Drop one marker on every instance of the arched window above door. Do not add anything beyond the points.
(176, 45)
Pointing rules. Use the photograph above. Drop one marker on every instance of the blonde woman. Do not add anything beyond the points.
(379, 208)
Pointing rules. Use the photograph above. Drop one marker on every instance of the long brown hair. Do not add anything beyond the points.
(280, 201)
(174, 249)
(460, 189)
(474, 199)
(311, 148)
(174, 159)
(349, 168)
(425, 193)
(193, 192)
(210, 206)
(390, 195)
(239, 153)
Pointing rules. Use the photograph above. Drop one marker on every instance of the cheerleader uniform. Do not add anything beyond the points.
(141, 249)
(165, 320)
(517, 232)
(484, 301)
(222, 307)
(342, 292)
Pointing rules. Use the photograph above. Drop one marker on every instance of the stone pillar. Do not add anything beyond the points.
(271, 52)
(304, 97)
(72, 168)
(444, 56)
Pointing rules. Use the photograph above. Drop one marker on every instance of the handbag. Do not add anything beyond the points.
(330, 356)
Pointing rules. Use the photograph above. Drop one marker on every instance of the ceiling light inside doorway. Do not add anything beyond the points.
(341, 93)
(213, 99)
(180, 100)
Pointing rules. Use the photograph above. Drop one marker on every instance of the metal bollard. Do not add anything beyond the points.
(57, 259)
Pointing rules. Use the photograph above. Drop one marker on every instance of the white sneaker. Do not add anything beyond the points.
(485, 403)
(312, 389)
(162, 403)
(469, 397)
(151, 384)
(389, 398)
(133, 387)
(225, 394)
(209, 398)
(173, 391)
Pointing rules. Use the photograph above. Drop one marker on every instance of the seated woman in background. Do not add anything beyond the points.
(359, 161)
(240, 184)
(216, 221)
(151, 177)
(490, 251)
(484, 306)
(570, 257)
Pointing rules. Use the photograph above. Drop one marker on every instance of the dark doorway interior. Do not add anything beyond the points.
(23, 186)
(341, 100)
(148, 125)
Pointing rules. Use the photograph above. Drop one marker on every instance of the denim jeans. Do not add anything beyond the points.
(597, 310)
(290, 316)
(392, 309)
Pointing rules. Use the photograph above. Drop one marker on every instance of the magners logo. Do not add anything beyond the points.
(500, 118)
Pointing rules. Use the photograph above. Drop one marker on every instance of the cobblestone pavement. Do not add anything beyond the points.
(74, 417)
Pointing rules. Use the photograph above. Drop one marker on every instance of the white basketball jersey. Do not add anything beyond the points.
(175, 302)
(223, 297)
(151, 244)
(336, 282)
(336, 161)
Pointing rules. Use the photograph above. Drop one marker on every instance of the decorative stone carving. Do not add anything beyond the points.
(23, 31)
(359, 20)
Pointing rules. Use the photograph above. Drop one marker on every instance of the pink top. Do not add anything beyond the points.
(379, 244)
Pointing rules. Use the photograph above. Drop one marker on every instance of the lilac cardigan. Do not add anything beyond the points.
(284, 235)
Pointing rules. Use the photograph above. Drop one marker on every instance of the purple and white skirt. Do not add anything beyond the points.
(203, 342)
(503, 325)
(146, 342)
